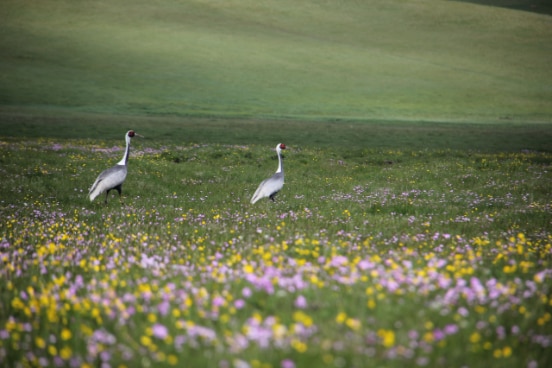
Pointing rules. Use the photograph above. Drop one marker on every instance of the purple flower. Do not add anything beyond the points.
(239, 303)
(301, 302)
(438, 334)
(159, 331)
(246, 292)
(451, 329)
(218, 301)
(164, 308)
(287, 363)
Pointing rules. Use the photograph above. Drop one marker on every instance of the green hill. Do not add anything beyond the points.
(387, 59)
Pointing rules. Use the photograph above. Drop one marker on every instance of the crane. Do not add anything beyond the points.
(114, 177)
(269, 187)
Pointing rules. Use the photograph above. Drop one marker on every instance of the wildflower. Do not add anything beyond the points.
(172, 359)
(353, 324)
(506, 351)
(65, 353)
(300, 302)
(450, 329)
(287, 363)
(40, 343)
(66, 334)
(298, 345)
(387, 337)
(239, 303)
(246, 292)
(160, 331)
(248, 269)
(341, 317)
(303, 318)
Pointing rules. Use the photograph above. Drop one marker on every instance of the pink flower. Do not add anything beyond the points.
(239, 303)
(218, 301)
(287, 363)
(300, 302)
(159, 331)
(246, 292)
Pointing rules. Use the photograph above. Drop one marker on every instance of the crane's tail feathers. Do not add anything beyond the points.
(94, 194)
(95, 190)
(256, 196)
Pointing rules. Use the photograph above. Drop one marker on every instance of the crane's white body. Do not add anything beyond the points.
(271, 186)
(114, 177)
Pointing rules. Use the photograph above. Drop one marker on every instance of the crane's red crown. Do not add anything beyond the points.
(131, 133)
(282, 146)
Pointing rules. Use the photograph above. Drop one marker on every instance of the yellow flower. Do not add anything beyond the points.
(475, 338)
(145, 340)
(301, 317)
(387, 337)
(506, 351)
(298, 345)
(40, 343)
(428, 337)
(172, 359)
(52, 350)
(65, 353)
(341, 317)
(353, 324)
(66, 334)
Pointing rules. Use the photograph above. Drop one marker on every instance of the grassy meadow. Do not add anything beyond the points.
(414, 228)
(369, 257)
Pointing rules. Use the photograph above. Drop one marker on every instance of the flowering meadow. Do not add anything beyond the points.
(368, 257)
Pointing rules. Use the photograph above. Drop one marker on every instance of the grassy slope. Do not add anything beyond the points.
(420, 60)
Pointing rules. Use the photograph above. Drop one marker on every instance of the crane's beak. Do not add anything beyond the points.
(138, 135)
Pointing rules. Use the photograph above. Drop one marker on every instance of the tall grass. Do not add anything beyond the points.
(369, 257)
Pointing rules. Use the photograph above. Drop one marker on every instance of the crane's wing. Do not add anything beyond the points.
(108, 179)
(268, 187)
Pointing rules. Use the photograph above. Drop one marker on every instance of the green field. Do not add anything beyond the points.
(414, 228)
(391, 60)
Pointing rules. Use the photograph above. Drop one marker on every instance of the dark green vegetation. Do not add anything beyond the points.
(341, 135)
(537, 6)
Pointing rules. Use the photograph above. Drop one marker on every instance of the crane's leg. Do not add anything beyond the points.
(272, 196)
(119, 189)
(106, 194)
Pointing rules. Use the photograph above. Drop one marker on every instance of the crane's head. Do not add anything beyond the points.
(131, 133)
(282, 146)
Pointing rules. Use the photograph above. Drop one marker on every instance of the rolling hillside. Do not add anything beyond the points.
(387, 59)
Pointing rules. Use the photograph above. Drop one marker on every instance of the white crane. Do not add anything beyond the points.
(269, 187)
(114, 177)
